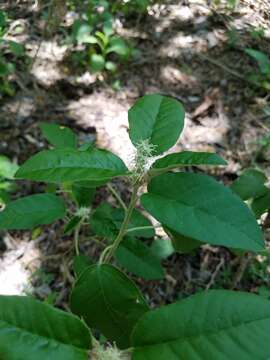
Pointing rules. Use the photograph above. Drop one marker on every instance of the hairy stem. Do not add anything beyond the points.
(124, 226)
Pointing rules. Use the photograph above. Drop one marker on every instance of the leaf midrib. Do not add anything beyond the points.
(210, 215)
(110, 309)
(23, 330)
(204, 334)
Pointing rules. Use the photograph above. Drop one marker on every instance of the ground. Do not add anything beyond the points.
(189, 50)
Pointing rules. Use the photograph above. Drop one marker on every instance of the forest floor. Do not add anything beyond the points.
(188, 50)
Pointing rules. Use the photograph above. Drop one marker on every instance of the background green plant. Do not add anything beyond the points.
(10, 51)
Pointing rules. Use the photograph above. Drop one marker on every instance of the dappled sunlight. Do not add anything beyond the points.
(17, 266)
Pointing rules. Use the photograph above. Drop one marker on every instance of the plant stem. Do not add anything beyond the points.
(117, 196)
(76, 236)
(123, 229)
(142, 228)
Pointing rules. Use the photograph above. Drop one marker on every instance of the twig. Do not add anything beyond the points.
(229, 70)
(215, 273)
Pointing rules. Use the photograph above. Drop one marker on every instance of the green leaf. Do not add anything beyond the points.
(3, 19)
(108, 301)
(111, 66)
(81, 263)
(198, 207)
(7, 168)
(158, 119)
(31, 211)
(59, 136)
(139, 259)
(16, 48)
(33, 330)
(102, 222)
(97, 62)
(182, 244)
(261, 204)
(262, 60)
(4, 197)
(212, 325)
(186, 158)
(67, 165)
(162, 248)
(83, 193)
(117, 46)
(81, 31)
(72, 224)
(107, 220)
(250, 184)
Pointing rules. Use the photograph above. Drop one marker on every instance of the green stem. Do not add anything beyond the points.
(76, 239)
(124, 226)
(143, 228)
(117, 196)
(76, 235)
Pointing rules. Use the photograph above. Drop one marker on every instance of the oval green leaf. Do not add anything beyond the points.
(182, 244)
(186, 158)
(261, 204)
(198, 207)
(67, 165)
(158, 119)
(214, 325)
(59, 136)
(162, 248)
(139, 259)
(108, 301)
(33, 330)
(31, 211)
(250, 184)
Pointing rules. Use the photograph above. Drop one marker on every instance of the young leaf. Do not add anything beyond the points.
(81, 263)
(67, 165)
(261, 204)
(31, 211)
(59, 136)
(182, 244)
(186, 158)
(33, 330)
(212, 325)
(198, 207)
(109, 301)
(250, 184)
(139, 259)
(158, 119)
